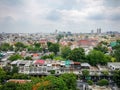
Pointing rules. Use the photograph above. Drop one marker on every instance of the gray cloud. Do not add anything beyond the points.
(96, 17)
(65, 15)
(54, 15)
(111, 3)
(114, 17)
(11, 3)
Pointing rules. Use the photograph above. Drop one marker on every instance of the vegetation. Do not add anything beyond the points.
(116, 77)
(28, 58)
(70, 80)
(77, 54)
(103, 49)
(63, 82)
(97, 57)
(103, 82)
(54, 48)
(50, 56)
(90, 82)
(65, 51)
(2, 75)
(106, 73)
(15, 57)
(6, 47)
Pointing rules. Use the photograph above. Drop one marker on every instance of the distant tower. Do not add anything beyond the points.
(56, 32)
(98, 30)
(92, 31)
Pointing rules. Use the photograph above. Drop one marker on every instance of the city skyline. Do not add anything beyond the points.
(29, 16)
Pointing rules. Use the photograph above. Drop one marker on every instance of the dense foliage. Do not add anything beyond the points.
(63, 82)
(116, 77)
(15, 57)
(65, 51)
(97, 57)
(77, 54)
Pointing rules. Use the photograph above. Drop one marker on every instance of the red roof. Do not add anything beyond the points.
(84, 42)
(39, 61)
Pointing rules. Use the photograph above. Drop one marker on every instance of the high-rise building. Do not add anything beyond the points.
(98, 30)
(92, 31)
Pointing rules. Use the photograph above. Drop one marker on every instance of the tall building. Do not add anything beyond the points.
(92, 31)
(98, 30)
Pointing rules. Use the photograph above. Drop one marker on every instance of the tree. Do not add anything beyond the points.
(28, 58)
(117, 54)
(106, 73)
(59, 37)
(77, 54)
(15, 57)
(2, 75)
(103, 82)
(37, 45)
(54, 48)
(97, 57)
(10, 86)
(14, 70)
(4, 46)
(70, 80)
(116, 77)
(86, 74)
(54, 83)
(65, 51)
(90, 82)
(101, 48)
(20, 76)
(50, 56)
(49, 44)
(20, 44)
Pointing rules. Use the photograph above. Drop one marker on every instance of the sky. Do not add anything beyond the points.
(79, 16)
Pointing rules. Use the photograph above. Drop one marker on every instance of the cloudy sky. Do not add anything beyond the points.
(64, 15)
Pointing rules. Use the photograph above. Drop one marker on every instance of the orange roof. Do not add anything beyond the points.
(19, 81)
(35, 55)
(77, 63)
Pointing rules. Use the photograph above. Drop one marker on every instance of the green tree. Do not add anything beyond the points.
(28, 58)
(4, 46)
(86, 74)
(97, 57)
(103, 49)
(59, 37)
(106, 73)
(14, 70)
(19, 44)
(10, 86)
(116, 77)
(55, 83)
(54, 48)
(49, 44)
(90, 82)
(70, 80)
(77, 54)
(15, 57)
(2, 75)
(38, 45)
(103, 82)
(117, 54)
(65, 51)
(50, 56)
(20, 76)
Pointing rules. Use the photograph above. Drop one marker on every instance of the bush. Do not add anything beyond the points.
(103, 82)
(90, 82)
